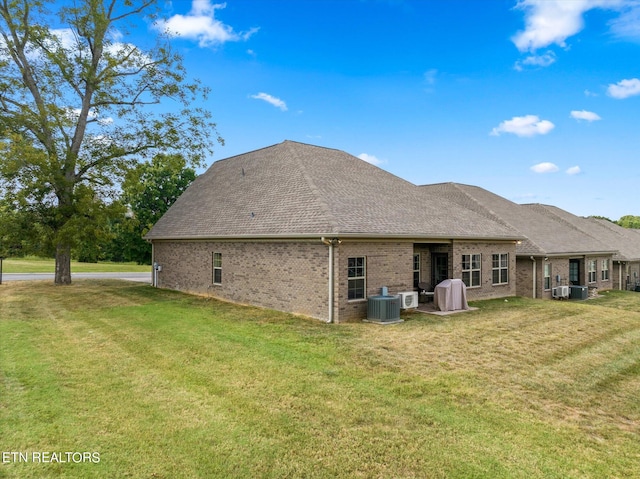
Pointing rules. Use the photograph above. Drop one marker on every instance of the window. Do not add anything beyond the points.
(471, 270)
(605, 270)
(547, 276)
(356, 278)
(500, 268)
(416, 270)
(592, 271)
(217, 268)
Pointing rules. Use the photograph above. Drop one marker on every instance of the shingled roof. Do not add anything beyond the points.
(625, 241)
(546, 234)
(294, 190)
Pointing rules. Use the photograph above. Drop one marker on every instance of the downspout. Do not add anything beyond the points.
(331, 276)
(620, 275)
(154, 273)
(534, 276)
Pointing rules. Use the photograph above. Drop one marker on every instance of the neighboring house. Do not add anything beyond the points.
(627, 264)
(315, 231)
(625, 268)
(555, 252)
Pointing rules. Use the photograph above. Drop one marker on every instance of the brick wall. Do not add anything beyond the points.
(287, 276)
(388, 264)
(292, 276)
(559, 267)
(630, 272)
(524, 277)
(600, 284)
(487, 289)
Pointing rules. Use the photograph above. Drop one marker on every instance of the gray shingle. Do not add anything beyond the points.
(546, 233)
(606, 232)
(295, 189)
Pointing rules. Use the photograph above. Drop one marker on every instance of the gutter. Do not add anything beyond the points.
(314, 236)
(154, 273)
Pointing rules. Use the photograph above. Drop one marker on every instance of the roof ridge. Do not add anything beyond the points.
(495, 216)
(550, 210)
(312, 186)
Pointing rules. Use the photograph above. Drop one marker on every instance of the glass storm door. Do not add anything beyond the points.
(439, 267)
(574, 271)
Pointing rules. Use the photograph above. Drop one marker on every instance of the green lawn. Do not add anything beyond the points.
(33, 264)
(165, 385)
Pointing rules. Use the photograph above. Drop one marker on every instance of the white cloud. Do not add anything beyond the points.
(430, 76)
(574, 170)
(553, 21)
(200, 24)
(545, 167)
(627, 25)
(624, 89)
(536, 61)
(589, 93)
(370, 159)
(528, 125)
(277, 102)
(585, 115)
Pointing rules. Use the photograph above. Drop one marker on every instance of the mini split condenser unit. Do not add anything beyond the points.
(560, 292)
(409, 300)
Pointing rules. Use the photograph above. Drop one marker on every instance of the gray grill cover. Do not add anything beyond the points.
(450, 295)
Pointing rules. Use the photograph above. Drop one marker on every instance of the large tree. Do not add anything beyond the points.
(629, 221)
(148, 191)
(79, 106)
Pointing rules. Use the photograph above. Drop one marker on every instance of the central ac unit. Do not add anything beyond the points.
(560, 292)
(383, 309)
(409, 300)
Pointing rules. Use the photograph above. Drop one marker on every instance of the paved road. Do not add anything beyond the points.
(141, 277)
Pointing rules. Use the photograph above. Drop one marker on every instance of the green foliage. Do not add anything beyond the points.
(79, 107)
(629, 221)
(149, 189)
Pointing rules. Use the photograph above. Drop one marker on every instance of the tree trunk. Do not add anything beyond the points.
(63, 264)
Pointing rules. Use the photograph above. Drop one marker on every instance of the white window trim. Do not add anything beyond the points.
(605, 270)
(216, 268)
(500, 268)
(547, 274)
(471, 269)
(353, 278)
(593, 272)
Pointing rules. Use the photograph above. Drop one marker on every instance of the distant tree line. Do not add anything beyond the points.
(112, 229)
(627, 221)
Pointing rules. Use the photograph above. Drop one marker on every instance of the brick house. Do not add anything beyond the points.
(625, 266)
(626, 263)
(555, 251)
(315, 231)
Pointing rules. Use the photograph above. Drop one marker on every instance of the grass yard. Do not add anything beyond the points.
(161, 384)
(32, 264)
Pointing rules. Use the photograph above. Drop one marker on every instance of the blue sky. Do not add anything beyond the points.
(535, 100)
